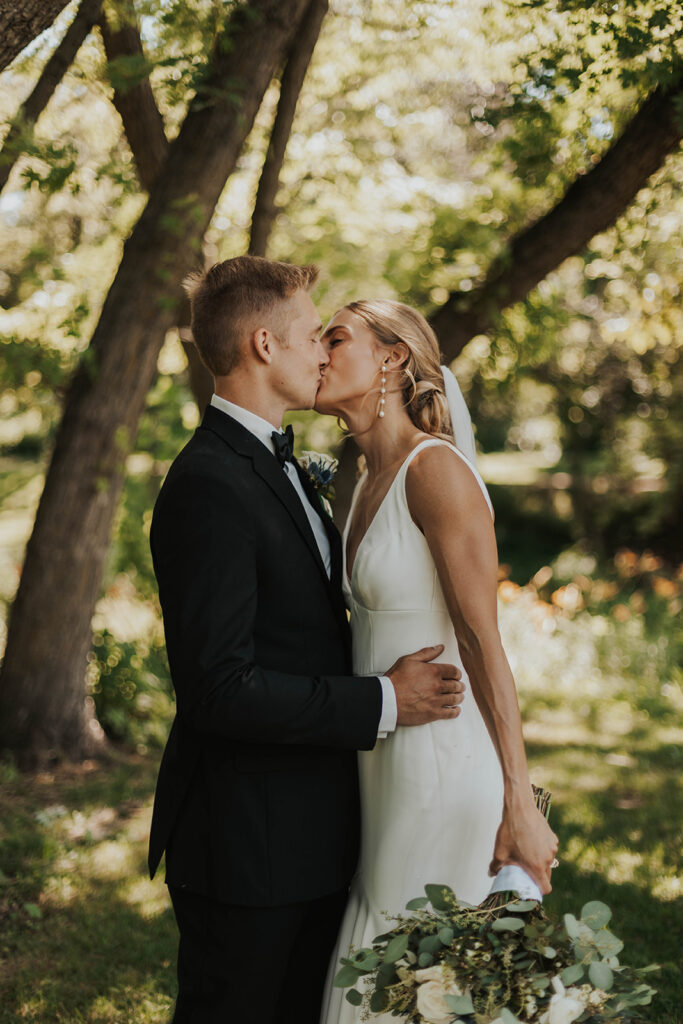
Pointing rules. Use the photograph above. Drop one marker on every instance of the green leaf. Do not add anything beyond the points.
(572, 926)
(522, 906)
(446, 936)
(354, 997)
(430, 944)
(378, 1002)
(417, 904)
(600, 975)
(439, 896)
(507, 924)
(396, 949)
(549, 953)
(507, 1017)
(425, 960)
(460, 1004)
(386, 975)
(347, 976)
(571, 974)
(608, 944)
(596, 914)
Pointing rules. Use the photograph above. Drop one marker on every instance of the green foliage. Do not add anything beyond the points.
(130, 684)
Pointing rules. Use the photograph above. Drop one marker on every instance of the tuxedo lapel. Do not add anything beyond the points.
(267, 467)
(334, 538)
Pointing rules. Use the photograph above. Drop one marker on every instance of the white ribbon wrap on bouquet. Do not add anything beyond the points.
(515, 879)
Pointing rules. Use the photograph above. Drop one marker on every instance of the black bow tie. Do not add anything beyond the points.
(284, 445)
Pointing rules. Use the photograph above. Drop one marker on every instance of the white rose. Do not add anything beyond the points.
(564, 1007)
(435, 983)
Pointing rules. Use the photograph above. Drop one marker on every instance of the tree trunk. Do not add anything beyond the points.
(53, 72)
(42, 681)
(21, 21)
(591, 205)
(290, 87)
(144, 128)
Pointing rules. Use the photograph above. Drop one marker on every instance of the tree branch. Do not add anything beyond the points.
(293, 77)
(591, 205)
(142, 121)
(53, 72)
(20, 23)
(144, 128)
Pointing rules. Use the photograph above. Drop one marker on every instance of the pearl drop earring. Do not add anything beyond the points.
(382, 392)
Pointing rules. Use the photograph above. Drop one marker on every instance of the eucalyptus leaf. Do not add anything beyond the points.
(368, 962)
(508, 1017)
(396, 949)
(596, 914)
(507, 924)
(347, 976)
(354, 997)
(446, 936)
(386, 975)
(425, 960)
(522, 906)
(430, 944)
(439, 896)
(378, 1001)
(572, 926)
(608, 944)
(601, 975)
(572, 973)
(459, 1004)
(417, 904)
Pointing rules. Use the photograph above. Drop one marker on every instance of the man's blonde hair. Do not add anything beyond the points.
(234, 298)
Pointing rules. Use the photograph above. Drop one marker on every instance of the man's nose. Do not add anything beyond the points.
(324, 354)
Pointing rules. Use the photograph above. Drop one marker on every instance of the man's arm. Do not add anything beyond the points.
(205, 561)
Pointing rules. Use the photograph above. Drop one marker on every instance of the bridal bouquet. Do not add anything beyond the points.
(503, 962)
(451, 962)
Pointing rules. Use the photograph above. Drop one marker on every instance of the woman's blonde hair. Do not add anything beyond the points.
(422, 384)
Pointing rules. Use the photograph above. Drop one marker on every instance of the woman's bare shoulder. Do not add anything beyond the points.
(440, 482)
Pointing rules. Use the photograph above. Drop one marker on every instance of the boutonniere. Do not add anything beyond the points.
(320, 470)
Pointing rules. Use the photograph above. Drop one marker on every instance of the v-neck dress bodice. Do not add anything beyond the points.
(431, 795)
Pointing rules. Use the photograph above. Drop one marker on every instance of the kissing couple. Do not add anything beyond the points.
(318, 771)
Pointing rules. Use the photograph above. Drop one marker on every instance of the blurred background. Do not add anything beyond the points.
(511, 168)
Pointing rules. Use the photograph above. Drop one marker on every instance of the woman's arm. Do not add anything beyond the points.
(449, 507)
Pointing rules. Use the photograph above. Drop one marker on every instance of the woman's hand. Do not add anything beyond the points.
(524, 837)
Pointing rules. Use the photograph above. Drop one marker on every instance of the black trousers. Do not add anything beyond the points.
(253, 965)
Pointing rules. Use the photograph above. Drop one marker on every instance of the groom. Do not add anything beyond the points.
(257, 797)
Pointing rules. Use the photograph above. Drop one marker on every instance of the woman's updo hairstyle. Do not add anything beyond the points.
(422, 383)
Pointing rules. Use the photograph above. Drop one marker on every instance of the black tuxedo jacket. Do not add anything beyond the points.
(257, 797)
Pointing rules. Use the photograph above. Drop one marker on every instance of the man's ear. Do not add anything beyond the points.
(261, 343)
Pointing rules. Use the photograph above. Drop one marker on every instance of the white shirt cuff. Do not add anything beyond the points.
(387, 721)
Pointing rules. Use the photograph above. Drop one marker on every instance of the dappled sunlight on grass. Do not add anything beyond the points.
(150, 898)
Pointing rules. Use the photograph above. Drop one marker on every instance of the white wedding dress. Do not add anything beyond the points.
(431, 795)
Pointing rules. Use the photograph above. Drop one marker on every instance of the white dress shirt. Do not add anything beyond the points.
(262, 429)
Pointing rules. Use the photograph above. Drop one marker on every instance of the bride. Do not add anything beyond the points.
(450, 802)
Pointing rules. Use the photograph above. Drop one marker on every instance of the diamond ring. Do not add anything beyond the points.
(555, 863)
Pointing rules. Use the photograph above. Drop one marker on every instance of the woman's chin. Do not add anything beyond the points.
(323, 405)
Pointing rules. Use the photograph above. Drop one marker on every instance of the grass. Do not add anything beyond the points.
(73, 850)
(85, 935)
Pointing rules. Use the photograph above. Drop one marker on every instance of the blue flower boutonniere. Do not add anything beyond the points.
(321, 470)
